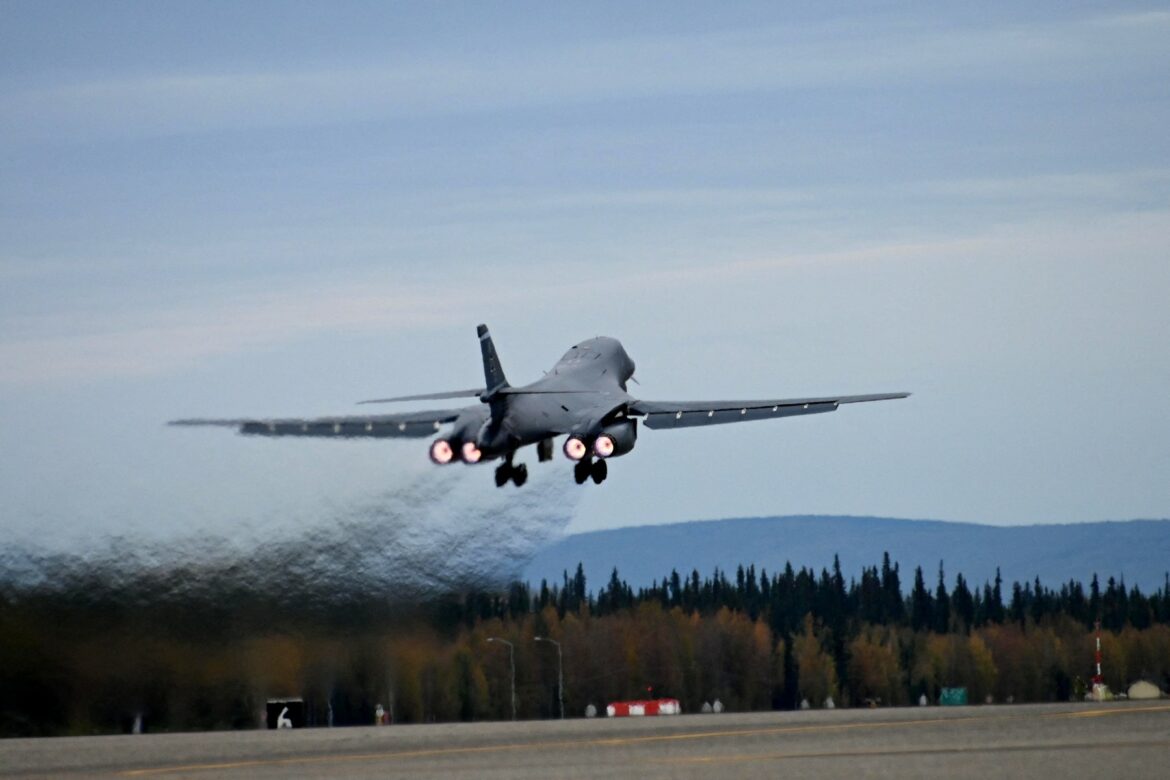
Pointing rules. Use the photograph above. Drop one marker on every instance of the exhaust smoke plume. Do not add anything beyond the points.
(445, 532)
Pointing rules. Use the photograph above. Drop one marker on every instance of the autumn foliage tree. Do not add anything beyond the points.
(75, 663)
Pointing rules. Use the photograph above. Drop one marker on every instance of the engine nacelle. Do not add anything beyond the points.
(442, 452)
(575, 448)
(616, 439)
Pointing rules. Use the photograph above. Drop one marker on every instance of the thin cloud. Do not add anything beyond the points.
(851, 53)
(157, 342)
(153, 342)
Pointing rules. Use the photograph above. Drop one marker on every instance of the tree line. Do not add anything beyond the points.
(877, 598)
(73, 663)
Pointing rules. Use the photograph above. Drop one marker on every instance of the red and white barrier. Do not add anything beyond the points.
(630, 709)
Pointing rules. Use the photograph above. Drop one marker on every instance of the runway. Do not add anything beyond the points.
(1124, 739)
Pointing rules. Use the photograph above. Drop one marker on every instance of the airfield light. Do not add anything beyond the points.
(512, 661)
(560, 671)
(1098, 679)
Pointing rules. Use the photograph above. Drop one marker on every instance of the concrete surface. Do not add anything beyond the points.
(1124, 739)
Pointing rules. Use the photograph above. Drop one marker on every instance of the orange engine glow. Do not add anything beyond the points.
(470, 453)
(441, 452)
(604, 446)
(575, 448)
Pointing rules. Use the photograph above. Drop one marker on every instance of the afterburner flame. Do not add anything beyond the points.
(471, 453)
(441, 452)
(604, 446)
(575, 448)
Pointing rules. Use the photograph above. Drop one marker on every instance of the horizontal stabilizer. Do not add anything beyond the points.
(527, 391)
(474, 393)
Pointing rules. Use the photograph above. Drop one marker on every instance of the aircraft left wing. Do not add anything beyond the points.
(688, 414)
(380, 426)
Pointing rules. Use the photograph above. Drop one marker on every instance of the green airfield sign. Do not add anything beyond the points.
(953, 697)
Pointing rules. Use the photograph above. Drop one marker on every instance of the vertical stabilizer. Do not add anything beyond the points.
(493, 375)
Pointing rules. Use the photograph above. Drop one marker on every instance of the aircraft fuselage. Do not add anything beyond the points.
(555, 402)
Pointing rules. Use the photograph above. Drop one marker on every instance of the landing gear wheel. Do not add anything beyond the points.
(599, 471)
(503, 474)
(520, 474)
(581, 471)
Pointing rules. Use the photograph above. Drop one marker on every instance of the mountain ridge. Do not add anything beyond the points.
(1136, 551)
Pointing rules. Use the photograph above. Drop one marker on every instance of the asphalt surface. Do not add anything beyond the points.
(1124, 739)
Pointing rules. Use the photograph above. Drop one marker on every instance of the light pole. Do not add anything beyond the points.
(560, 671)
(512, 661)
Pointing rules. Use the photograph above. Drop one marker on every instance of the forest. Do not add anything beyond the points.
(83, 659)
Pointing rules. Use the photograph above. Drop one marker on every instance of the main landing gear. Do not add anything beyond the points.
(587, 468)
(508, 472)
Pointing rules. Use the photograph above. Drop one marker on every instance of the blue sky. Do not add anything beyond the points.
(281, 208)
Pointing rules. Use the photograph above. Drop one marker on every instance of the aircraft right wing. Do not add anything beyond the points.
(381, 426)
(688, 414)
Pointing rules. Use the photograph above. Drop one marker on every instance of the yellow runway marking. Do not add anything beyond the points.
(1116, 711)
(605, 742)
(518, 746)
(742, 758)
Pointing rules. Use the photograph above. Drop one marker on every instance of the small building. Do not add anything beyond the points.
(626, 709)
(1144, 689)
(285, 713)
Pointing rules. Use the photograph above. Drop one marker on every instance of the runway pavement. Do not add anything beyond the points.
(1124, 739)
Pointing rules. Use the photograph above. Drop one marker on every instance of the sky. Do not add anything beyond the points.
(280, 208)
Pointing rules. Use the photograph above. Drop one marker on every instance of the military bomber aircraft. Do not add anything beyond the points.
(584, 397)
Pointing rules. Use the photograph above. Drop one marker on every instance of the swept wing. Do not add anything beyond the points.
(688, 414)
(407, 425)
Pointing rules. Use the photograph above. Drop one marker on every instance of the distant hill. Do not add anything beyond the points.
(1138, 550)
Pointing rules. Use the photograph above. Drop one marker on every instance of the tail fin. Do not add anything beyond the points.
(493, 375)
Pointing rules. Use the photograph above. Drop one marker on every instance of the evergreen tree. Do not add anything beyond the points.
(871, 598)
(1164, 609)
(1139, 609)
(675, 588)
(983, 606)
(894, 611)
(1039, 606)
(1112, 613)
(519, 602)
(579, 594)
(942, 604)
(838, 581)
(545, 596)
(751, 592)
(963, 604)
(995, 611)
(921, 608)
(566, 593)
(1018, 609)
(803, 594)
(1076, 605)
(695, 590)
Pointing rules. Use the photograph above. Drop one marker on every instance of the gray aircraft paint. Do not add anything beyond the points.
(583, 396)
